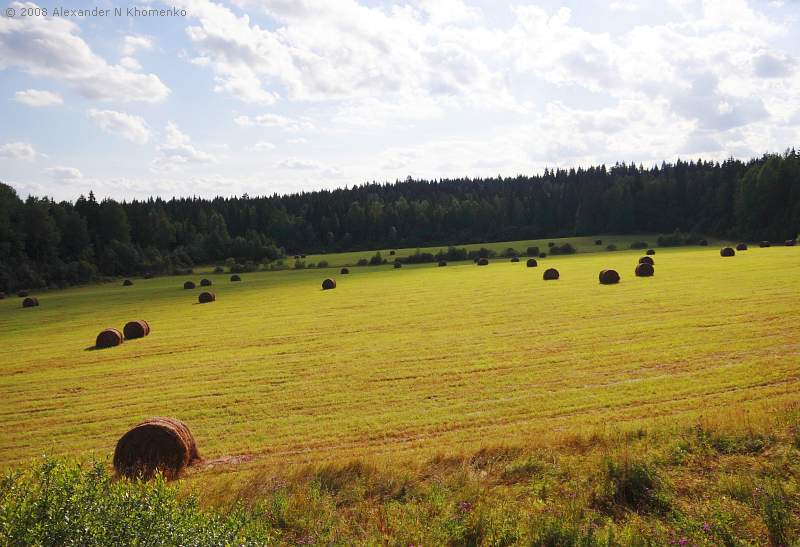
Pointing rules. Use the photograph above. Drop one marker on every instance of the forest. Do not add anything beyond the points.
(44, 243)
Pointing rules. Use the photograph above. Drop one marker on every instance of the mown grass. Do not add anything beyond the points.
(634, 397)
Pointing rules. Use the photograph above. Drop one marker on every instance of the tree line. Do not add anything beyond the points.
(49, 243)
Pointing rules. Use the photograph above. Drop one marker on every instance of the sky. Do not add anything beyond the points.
(227, 97)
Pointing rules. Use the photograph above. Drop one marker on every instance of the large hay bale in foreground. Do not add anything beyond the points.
(328, 284)
(650, 252)
(136, 329)
(108, 338)
(609, 277)
(442, 263)
(127, 283)
(550, 274)
(514, 259)
(531, 263)
(30, 302)
(235, 278)
(645, 270)
(162, 445)
(765, 244)
(206, 297)
(790, 242)
(205, 282)
(727, 251)
(189, 285)
(344, 271)
(741, 247)
(483, 262)
(646, 260)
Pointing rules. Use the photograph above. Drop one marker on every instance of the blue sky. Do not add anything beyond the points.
(264, 96)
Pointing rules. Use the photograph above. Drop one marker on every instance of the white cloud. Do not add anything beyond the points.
(18, 151)
(36, 97)
(134, 43)
(262, 146)
(128, 126)
(298, 140)
(64, 174)
(52, 48)
(176, 150)
(274, 120)
(298, 164)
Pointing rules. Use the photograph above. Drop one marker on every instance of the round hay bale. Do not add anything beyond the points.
(650, 252)
(30, 302)
(108, 338)
(328, 284)
(790, 242)
(344, 271)
(645, 269)
(136, 329)
(727, 251)
(741, 247)
(189, 285)
(515, 259)
(531, 263)
(235, 278)
(598, 241)
(551, 244)
(127, 283)
(550, 274)
(162, 445)
(703, 243)
(22, 294)
(148, 275)
(205, 282)
(206, 297)
(398, 264)
(391, 253)
(765, 244)
(442, 263)
(542, 255)
(609, 277)
(646, 260)
(483, 262)
(2, 295)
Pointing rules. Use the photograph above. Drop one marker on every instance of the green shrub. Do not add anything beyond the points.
(322, 264)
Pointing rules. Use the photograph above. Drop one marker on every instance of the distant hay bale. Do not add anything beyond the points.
(398, 264)
(650, 252)
(328, 284)
(645, 269)
(741, 247)
(598, 241)
(344, 271)
(219, 270)
(235, 278)
(30, 302)
(392, 253)
(157, 445)
(136, 329)
(189, 285)
(205, 282)
(551, 244)
(646, 260)
(483, 262)
(550, 274)
(703, 243)
(108, 338)
(127, 283)
(206, 297)
(727, 251)
(542, 255)
(609, 277)
(2, 295)
(515, 259)
(531, 263)
(22, 294)
(765, 244)
(148, 275)
(790, 242)
(442, 263)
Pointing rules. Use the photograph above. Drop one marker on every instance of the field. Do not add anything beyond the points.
(404, 365)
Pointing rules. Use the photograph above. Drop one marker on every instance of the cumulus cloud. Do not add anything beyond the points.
(64, 174)
(37, 98)
(262, 146)
(18, 151)
(134, 43)
(127, 126)
(275, 120)
(52, 48)
(298, 164)
(176, 150)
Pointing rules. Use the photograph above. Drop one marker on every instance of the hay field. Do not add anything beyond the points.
(403, 363)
